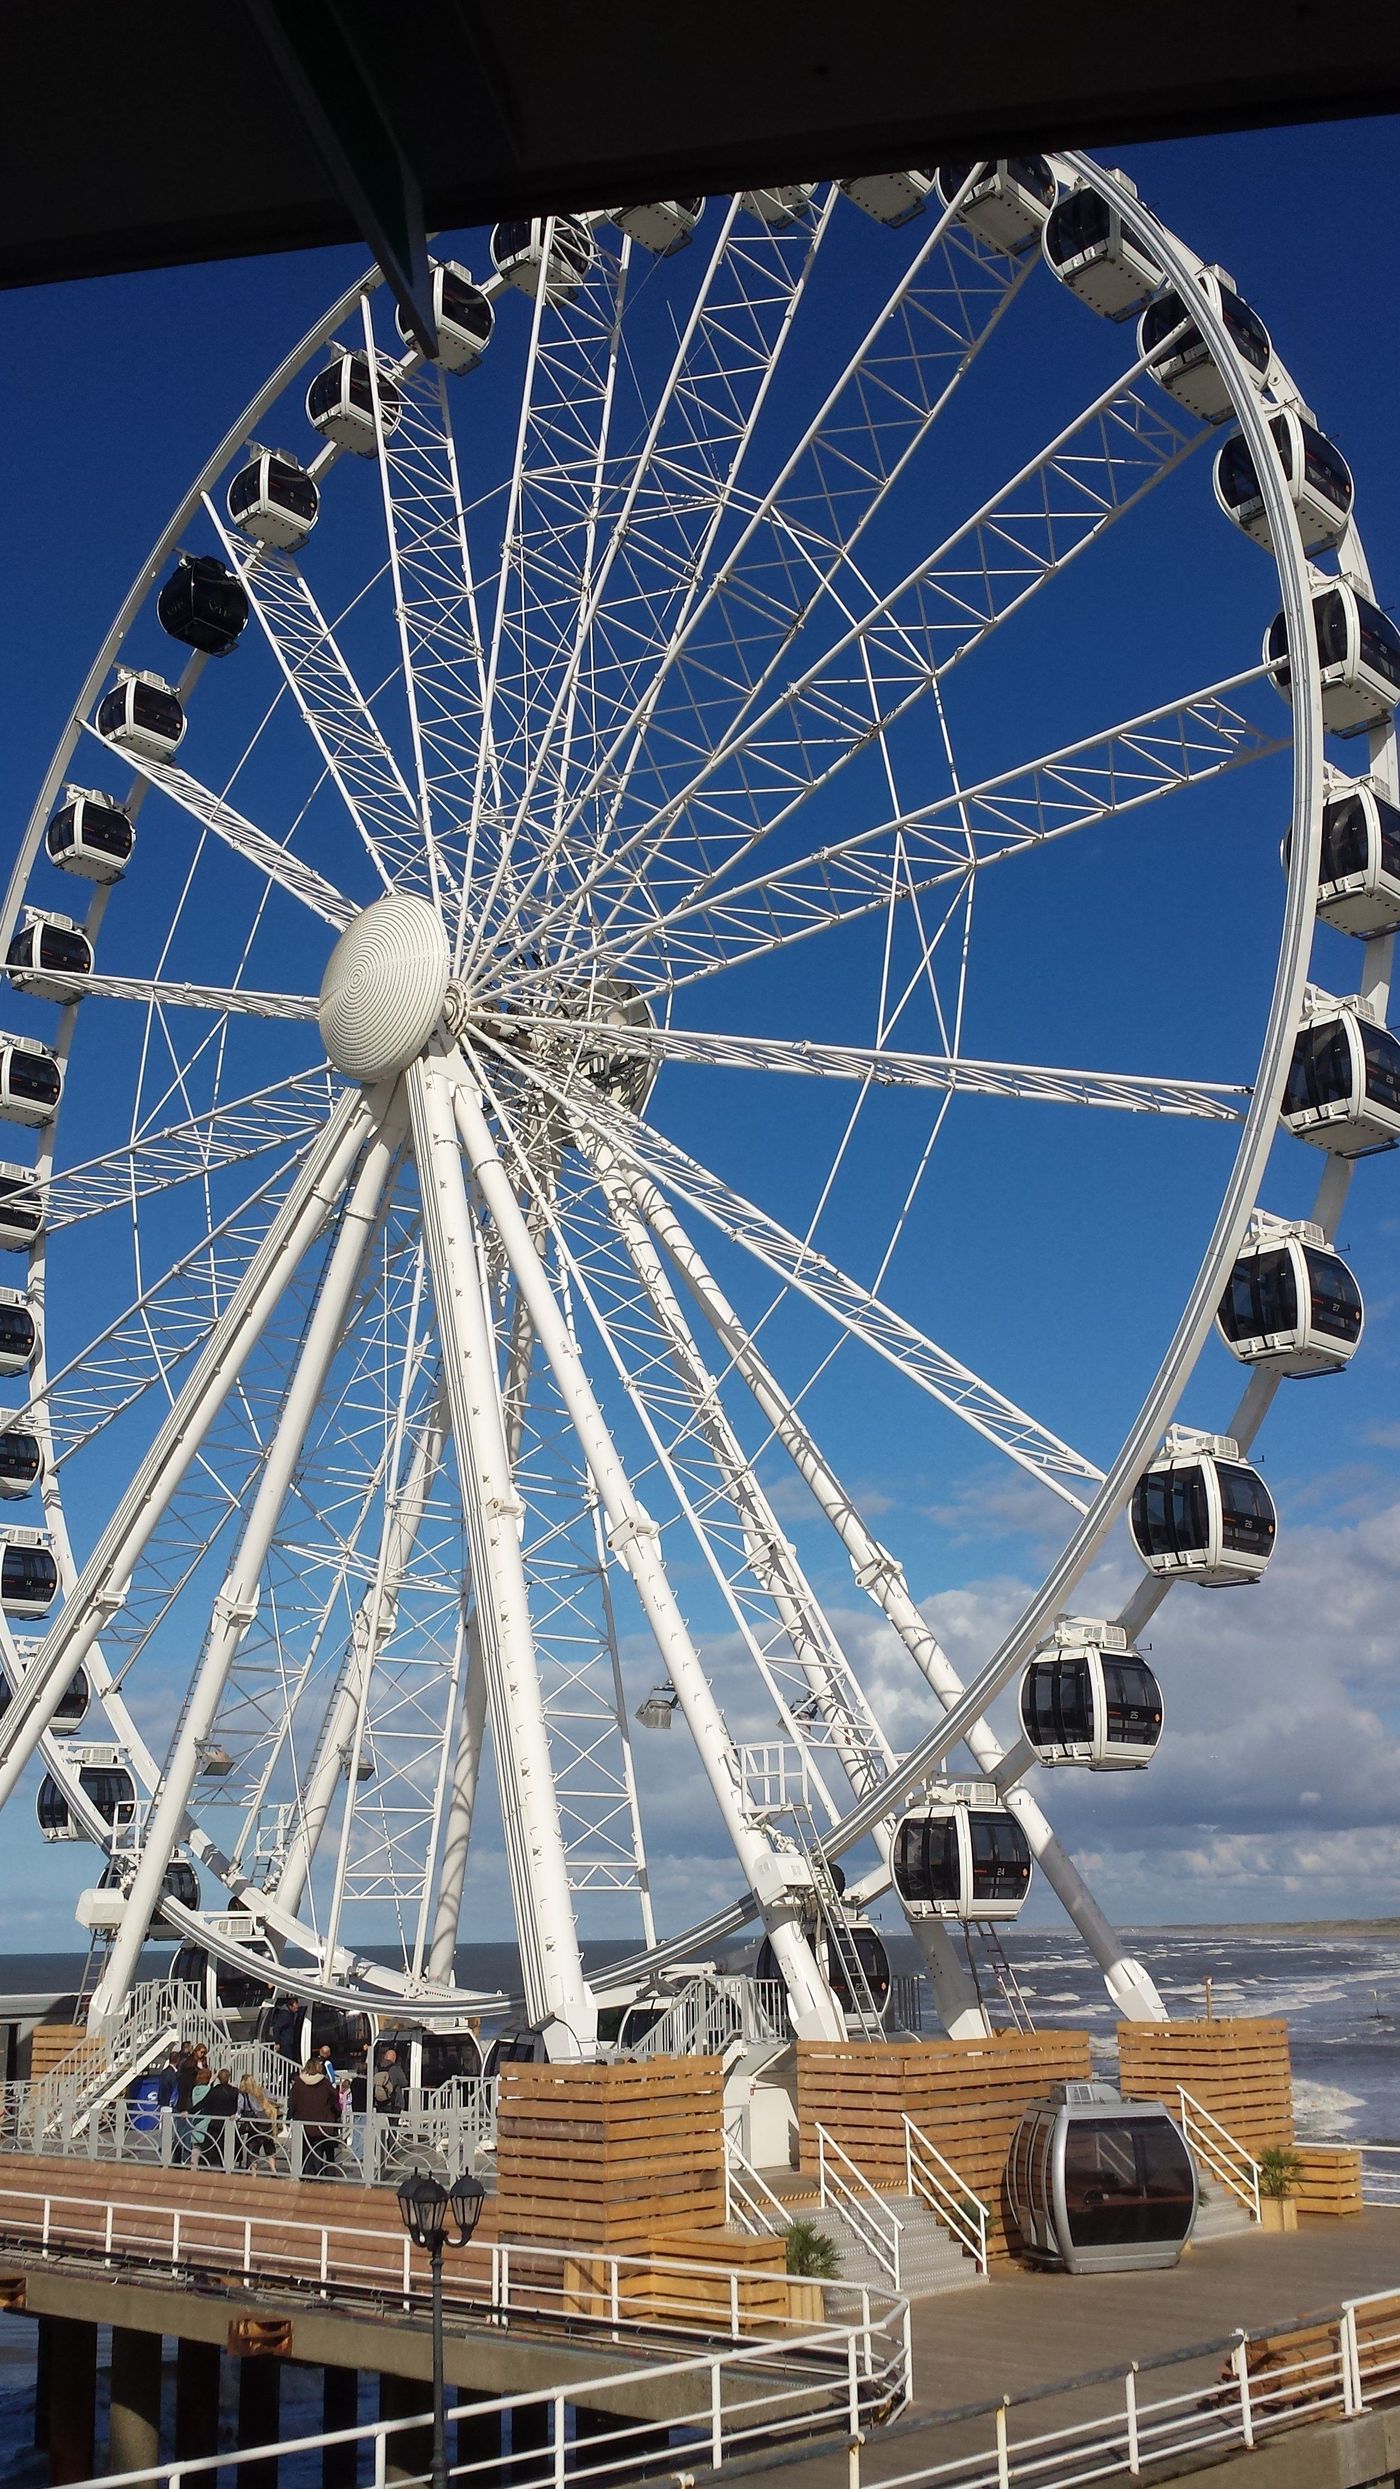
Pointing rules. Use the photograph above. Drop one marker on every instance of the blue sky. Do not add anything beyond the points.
(1050, 1248)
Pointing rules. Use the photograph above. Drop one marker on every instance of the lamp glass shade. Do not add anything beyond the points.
(423, 2207)
(468, 2195)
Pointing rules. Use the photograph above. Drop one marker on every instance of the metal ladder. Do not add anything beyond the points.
(998, 1970)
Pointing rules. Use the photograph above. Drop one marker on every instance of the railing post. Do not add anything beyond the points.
(908, 2155)
(1239, 2361)
(853, 2461)
(560, 2448)
(821, 2167)
(865, 2330)
(175, 2236)
(716, 2415)
(1130, 2400)
(733, 2302)
(1003, 2448)
(852, 2388)
(1353, 2400)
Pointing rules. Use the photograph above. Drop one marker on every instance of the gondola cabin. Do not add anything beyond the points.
(226, 1987)
(1317, 478)
(105, 1782)
(554, 252)
(203, 605)
(141, 715)
(1090, 249)
(1343, 1086)
(21, 1207)
(1008, 201)
(1099, 2184)
(961, 1855)
(1358, 883)
(103, 1908)
(1292, 1304)
(789, 204)
(340, 403)
(464, 317)
(20, 1461)
(73, 1703)
(1201, 1514)
(45, 955)
(430, 2058)
(19, 1332)
(31, 1081)
(1087, 1699)
(852, 1959)
(28, 1573)
(662, 227)
(889, 198)
(91, 837)
(518, 2045)
(1358, 649)
(274, 500)
(1182, 362)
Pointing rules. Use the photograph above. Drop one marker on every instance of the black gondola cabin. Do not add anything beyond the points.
(1087, 1699)
(46, 954)
(1292, 1304)
(1200, 1513)
(90, 836)
(1343, 1088)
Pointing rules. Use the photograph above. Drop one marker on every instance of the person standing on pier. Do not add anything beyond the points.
(314, 2105)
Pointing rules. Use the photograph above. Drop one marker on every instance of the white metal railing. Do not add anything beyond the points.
(1380, 2166)
(935, 2182)
(749, 2201)
(1357, 2367)
(844, 2189)
(372, 2147)
(1225, 2158)
(703, 2020)
(724, 2406)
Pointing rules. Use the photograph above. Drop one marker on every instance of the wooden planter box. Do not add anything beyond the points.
(1330, 2183)
(1278, 2212)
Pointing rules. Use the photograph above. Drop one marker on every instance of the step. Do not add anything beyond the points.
(1222, 2215)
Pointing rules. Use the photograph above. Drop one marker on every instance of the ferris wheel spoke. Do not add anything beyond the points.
(228, 1001)
(1103, 777)
(738, 617)
(334, 709)
(887, 1067)
(285, 1115)
(273, 861)
(1057, 507)
(1032, 1446)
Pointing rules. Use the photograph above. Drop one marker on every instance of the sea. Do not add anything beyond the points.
(1336, 1981)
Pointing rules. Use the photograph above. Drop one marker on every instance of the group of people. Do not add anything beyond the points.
(203, 2100)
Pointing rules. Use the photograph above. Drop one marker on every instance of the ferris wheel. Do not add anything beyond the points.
(560, 862)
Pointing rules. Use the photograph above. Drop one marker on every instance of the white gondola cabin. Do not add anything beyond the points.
(1099, 2184)
(19, 1332)
(224, 1987)
(429, 2058)
(1317, 477)
(90, 836)
(1358, 884)
(21, 1207)
(1358, 649)
(203, 605)
(46, 954)
(890, 198)
(662, 226)
(141, 715)
(106, 1783)
(788, 204)
(528, 255)
(73, 1702)
(852, 1959)
(1292, 1304)
(1087, 1699)
(1008, 202)
(31, 1080)
(28, 1573)
(274, 500)
(1201, 1514)
(20, 1461)
(463, 314)
(340, 403)
(1343, 1087)
(961, 1855)
(1182, 362)
(1089, 248)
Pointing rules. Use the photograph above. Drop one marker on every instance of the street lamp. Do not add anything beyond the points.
(424, 2205)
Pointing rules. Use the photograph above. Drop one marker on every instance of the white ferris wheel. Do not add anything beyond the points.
(556, 869)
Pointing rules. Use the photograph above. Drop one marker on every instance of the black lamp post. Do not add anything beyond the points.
(425, 2205)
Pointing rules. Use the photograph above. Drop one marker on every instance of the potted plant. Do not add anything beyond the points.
(812, 2259)
(1279, 2172)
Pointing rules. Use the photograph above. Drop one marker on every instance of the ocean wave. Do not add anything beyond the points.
(1324, 2109)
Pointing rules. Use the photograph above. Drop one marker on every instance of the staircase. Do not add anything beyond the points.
(930, 2258)
(1228, 2173)
(882, 2242)
(1221, 2216)
(105, 2063)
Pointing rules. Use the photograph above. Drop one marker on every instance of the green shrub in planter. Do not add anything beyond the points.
(811, 2254)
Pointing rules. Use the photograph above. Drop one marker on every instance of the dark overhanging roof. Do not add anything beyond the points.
(142, 137)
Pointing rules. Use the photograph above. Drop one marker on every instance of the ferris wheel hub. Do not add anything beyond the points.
(384, 988)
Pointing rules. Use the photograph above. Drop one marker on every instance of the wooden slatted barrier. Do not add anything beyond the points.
(1330, 2182)
(611, 2156)
(1238, 2068)
(966, 2095)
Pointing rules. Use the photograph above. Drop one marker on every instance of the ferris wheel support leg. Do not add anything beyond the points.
(777, 1887)
(237, 1601)
(457, 1831)
(368, 1634)
(101, 1585)
(856, 1734)
(557, 1993)
(882, 1578)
